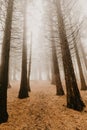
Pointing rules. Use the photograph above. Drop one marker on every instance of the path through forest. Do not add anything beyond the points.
(43, 110)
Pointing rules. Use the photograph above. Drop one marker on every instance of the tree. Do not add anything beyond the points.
(56, 71)
(29, 70)
(76, 48)
(82, 51)
(5, 63)
(53, 77)
(82, 79)
(74, 100)
(23, 92)
(59, 88)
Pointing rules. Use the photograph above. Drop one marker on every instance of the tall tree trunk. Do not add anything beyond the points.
(29, 70)
(82, 79)
(0, 74)
(5, 64)
(23, 92)
(82, 50)
(56, 71)
(59, 88)
(53, 76)
(74, 100)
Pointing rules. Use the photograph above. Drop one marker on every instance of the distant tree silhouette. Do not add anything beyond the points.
(29, 69)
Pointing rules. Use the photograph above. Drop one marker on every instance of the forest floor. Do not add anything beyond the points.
(43, 110)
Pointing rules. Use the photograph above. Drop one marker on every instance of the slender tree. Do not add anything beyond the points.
(82, 51)
(29, 70)
(23, 92)
(82, 79)
(56, 71)
(59, 88)
(5, 63)
(53, 77)
(74, 100)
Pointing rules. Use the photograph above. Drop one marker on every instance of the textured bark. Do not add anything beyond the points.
(0, 73)
(5, 64)
(56, 72)
(23, 92)
(74, 100)
(82, 79)
(59, 88)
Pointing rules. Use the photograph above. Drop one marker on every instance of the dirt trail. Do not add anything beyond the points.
(43, 110)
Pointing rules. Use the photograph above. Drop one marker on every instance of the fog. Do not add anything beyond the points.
(37, 27)
(35, 24)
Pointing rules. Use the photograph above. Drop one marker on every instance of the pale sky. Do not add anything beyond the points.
(84, 13)
(84, 6)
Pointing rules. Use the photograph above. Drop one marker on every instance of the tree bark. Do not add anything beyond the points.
(23, 92)
(5, 64)
(59, 88)
(74, 100)
(82, 79)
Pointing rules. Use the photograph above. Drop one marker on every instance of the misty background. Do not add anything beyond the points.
(38, 32)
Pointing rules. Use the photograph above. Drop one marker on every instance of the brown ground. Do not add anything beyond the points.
(43, 110)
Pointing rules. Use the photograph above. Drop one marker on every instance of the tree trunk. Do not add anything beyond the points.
(82, 51)
(82, 79)
(59, 88)
(29, 70)
(74, 100)
(23, 93)
(53, 76)
(5, 64)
